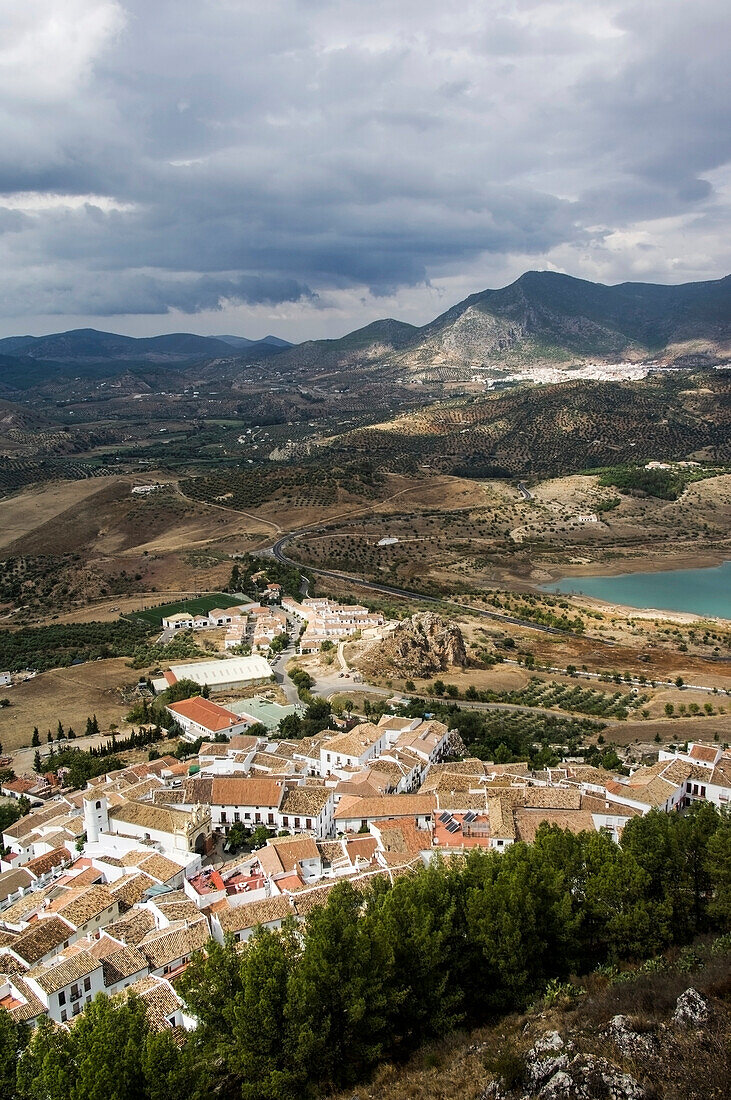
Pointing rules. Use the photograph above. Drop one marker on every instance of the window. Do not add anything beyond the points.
(75, 992)
(76, 1009)
(309, 822)
(296, 823)
(271, 819)
(223, 816)
(703, 792)
(237, 816)
(98, 805)
(87, 984)
(64, 1016)
(62, 997)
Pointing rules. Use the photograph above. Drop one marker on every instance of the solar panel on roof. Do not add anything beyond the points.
(453, 828)
(470, 816)
(445, 817)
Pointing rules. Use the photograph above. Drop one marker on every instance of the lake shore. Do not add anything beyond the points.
(636, 594)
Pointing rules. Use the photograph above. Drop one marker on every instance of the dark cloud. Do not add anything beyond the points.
(190, 157)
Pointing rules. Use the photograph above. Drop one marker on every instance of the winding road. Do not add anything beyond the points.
(276, 550)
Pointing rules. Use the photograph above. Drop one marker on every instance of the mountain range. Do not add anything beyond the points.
(543, 318)
(91, 345)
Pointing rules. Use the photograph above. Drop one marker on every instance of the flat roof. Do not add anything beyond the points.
(225, 671)
(269, 713)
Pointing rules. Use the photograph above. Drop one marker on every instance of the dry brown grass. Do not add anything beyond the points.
(68, 694)
(689, 1066)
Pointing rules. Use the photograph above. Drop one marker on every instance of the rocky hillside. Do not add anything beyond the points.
(420, 646)
(663, 1035)
(545, 317)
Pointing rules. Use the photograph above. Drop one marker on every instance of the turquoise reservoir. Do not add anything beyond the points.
(699, 591)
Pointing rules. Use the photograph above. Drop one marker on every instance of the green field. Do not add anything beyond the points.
(200, 605)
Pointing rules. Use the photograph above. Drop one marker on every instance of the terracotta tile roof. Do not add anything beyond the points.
(247, 791)
(401, 837)
(238, 918)
(289, 852)
(159, 998)
(357, 741)
(529, 821)
(306, 800)
(563, 798)
(703, 752)
(585, 773)
(243, 742)
(166, 797)
(721, 775)
(360, 847)
(132, 927)
(390, 805)
(502, 819)
(32, 1007)
(18, 911)
(198, 789)
(57, 975)
(32, 821)
(275, 765)
(209, 749)
(205, 713)
(41, 865)
(677, 771)
(122, 963)
(160, 867)
(129, 889)
(85, 904)
(14, 880)
(148, 816)
(330, 850)
(130, 859)
(598, 804)
(176, 942)
(10, 965)
(43, 935)
(177, 909)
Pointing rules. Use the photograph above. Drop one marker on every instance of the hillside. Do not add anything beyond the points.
(555, 429)
(553, 318)
(85, 346)
(541, 318)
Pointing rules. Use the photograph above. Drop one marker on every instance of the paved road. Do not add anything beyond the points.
(277, 551)
(524, 491)
(279, 668)
(328, 686)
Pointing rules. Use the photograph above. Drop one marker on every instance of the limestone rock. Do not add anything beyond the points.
(691, 1009)
(422, 646)
(587, 1077)
(630, 1042)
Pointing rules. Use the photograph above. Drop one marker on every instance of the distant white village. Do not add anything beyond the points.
(314, 621)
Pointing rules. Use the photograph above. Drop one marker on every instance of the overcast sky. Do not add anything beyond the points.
(302, 167)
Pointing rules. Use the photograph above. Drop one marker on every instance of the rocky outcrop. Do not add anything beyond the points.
(560, 1067)
(692, 1010)
(422, 646)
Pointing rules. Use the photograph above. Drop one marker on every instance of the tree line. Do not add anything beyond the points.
(373, 974)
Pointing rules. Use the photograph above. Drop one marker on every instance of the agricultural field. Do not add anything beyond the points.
(199, 605)
(69, 695)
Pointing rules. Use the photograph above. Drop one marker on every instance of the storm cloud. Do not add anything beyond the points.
(307, 165)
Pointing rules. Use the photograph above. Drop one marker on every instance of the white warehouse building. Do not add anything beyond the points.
(225, 675)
